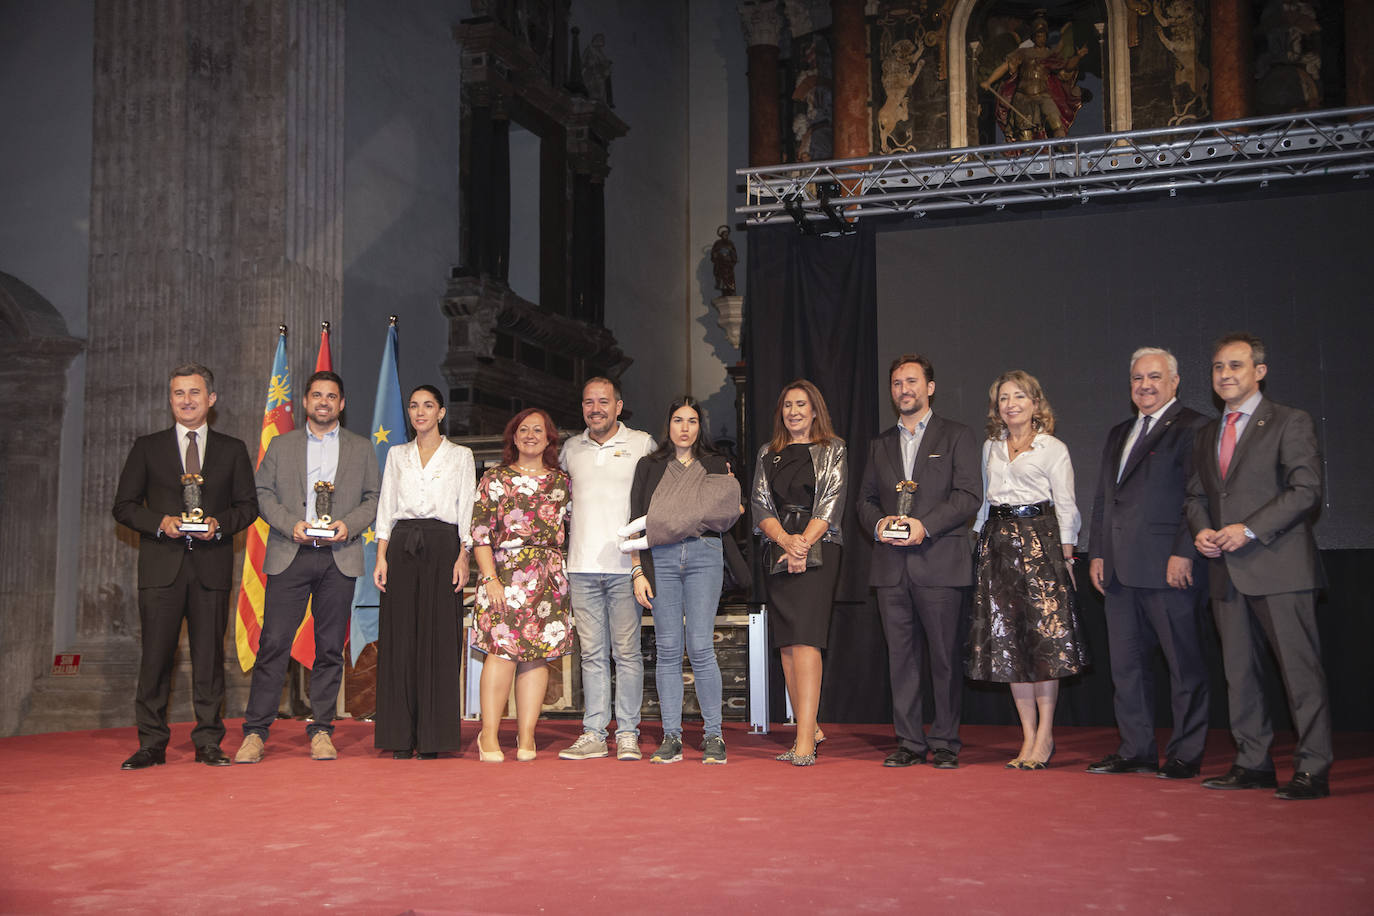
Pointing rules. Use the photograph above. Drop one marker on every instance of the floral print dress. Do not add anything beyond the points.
(522, 518)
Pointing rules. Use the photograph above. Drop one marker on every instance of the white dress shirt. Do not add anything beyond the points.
(601, 474)
(444, 489)
(1044, 472)
(1135, 434)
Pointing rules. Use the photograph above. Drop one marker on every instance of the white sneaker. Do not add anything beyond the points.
(585, 747)
(627, 746)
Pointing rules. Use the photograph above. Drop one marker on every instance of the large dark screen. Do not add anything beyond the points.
(1068, 295)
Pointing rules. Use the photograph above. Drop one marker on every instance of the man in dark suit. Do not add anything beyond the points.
(1142, 560)
(302, 569)
(1255, 486)
(184, 575)
(922, 578)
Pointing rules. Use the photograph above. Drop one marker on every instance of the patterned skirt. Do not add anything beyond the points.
(1024, 627)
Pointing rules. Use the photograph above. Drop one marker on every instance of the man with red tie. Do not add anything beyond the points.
(184, 574)
(1255, 485)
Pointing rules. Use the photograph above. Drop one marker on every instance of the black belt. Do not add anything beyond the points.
(1030, 511)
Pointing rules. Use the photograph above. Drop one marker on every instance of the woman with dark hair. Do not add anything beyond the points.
(798, 499)
(522, 615)
(423, 519)
(1025, 628)
(684, 495)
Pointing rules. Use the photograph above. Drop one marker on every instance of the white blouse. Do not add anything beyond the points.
(443, 489)
(1042, 473)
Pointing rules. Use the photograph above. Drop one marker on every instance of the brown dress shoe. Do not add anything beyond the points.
(321, 747)
(250, 751)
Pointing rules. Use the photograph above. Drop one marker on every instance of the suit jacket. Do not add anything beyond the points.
(1138, 521)
(284, 500)
(1274, 487)
(949, 490)
(150, 488)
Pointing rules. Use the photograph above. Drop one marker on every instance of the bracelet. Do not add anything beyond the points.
(636, 569)
(637, 574)
(485, 579)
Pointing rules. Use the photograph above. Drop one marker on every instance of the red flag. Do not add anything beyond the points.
(323, 362)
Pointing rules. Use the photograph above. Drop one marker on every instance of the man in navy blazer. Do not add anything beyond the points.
(1255, 486)
(184, 575)
(921, 579)
(302, 569)
(1142, 560)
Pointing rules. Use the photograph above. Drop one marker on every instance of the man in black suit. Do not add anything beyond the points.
(1255, 486)
(184, 575)
(1142, 561)
(922, 576)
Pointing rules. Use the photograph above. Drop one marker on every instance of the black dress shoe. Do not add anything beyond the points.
(903, 757)
(1303, 787)
(944, 759)
(212, 755)
(402, 755)
(1238, 777)
(1178, 769)
(1115, 763)
(145, 757)
(428, 755)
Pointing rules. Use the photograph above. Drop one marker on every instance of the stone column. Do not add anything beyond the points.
(1233, 66)
(762, 27)
(851, 79)
(1359, 61)
(216, 202)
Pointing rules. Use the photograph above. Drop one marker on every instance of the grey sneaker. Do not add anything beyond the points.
(670, 751)
(713, 749)
(321, 747)
(627, 746)
(250, 751)
(585, 747)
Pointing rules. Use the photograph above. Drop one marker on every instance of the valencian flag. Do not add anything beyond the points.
(388, 429)
(276, 419)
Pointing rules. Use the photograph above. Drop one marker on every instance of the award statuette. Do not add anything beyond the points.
(906, 492)
(192, 515)
(324, 506)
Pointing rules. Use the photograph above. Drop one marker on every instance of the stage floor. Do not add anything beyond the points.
(368, 834)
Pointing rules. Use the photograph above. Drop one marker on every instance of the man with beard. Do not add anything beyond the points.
(921, 486)
(601, 462)
(304, 570)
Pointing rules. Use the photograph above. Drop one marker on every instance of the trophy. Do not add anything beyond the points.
(906, 492)
(324, 506)
(192, 515)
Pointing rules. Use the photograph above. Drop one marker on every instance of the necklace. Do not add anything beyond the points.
(535, 471)
(686, 461)
(1016, 449)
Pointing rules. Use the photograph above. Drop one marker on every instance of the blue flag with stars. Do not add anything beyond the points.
(388, 429)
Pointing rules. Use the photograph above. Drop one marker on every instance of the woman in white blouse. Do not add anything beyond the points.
(1025, 629)
(424, 522)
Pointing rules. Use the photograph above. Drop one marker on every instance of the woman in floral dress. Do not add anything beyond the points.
(523, 617)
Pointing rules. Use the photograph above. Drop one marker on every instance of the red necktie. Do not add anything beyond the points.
(1228, 442)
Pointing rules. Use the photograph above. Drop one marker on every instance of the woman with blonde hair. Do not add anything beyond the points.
(1025, 630)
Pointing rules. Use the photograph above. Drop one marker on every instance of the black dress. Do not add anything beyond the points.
(799, 604)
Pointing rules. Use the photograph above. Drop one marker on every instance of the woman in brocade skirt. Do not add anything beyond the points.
(423, 519)
(1025, 628)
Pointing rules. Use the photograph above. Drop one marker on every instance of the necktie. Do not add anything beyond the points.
(1138, 448)
(192, 454)
(1228, 442)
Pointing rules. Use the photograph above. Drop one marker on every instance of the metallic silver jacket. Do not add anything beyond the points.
(831, 467)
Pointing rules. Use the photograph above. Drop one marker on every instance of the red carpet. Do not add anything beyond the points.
(367, 834)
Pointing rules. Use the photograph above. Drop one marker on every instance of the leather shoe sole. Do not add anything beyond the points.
(213, 756)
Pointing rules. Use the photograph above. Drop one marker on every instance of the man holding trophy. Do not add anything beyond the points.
(186, 491)
(921, 486)
(317, 490)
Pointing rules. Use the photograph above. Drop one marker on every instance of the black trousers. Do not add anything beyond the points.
(160, 612)
(417, 640)
(312, 578)
(924, 625)
(1138, 621)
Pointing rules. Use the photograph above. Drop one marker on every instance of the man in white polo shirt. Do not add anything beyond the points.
(601, 462)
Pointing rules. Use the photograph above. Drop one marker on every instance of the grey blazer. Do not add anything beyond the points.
(1274, 487)
(283, 500)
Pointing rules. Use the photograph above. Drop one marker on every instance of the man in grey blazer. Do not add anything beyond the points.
(305, 570)
(922, 578)
(1255, 485)
(1145, 565)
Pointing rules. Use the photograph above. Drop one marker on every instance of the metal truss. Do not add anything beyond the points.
(829, 196)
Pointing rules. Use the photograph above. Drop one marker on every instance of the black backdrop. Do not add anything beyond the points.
(1149, 272)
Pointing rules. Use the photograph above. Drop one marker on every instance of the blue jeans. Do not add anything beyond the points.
(687, 578)
(607, 619)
